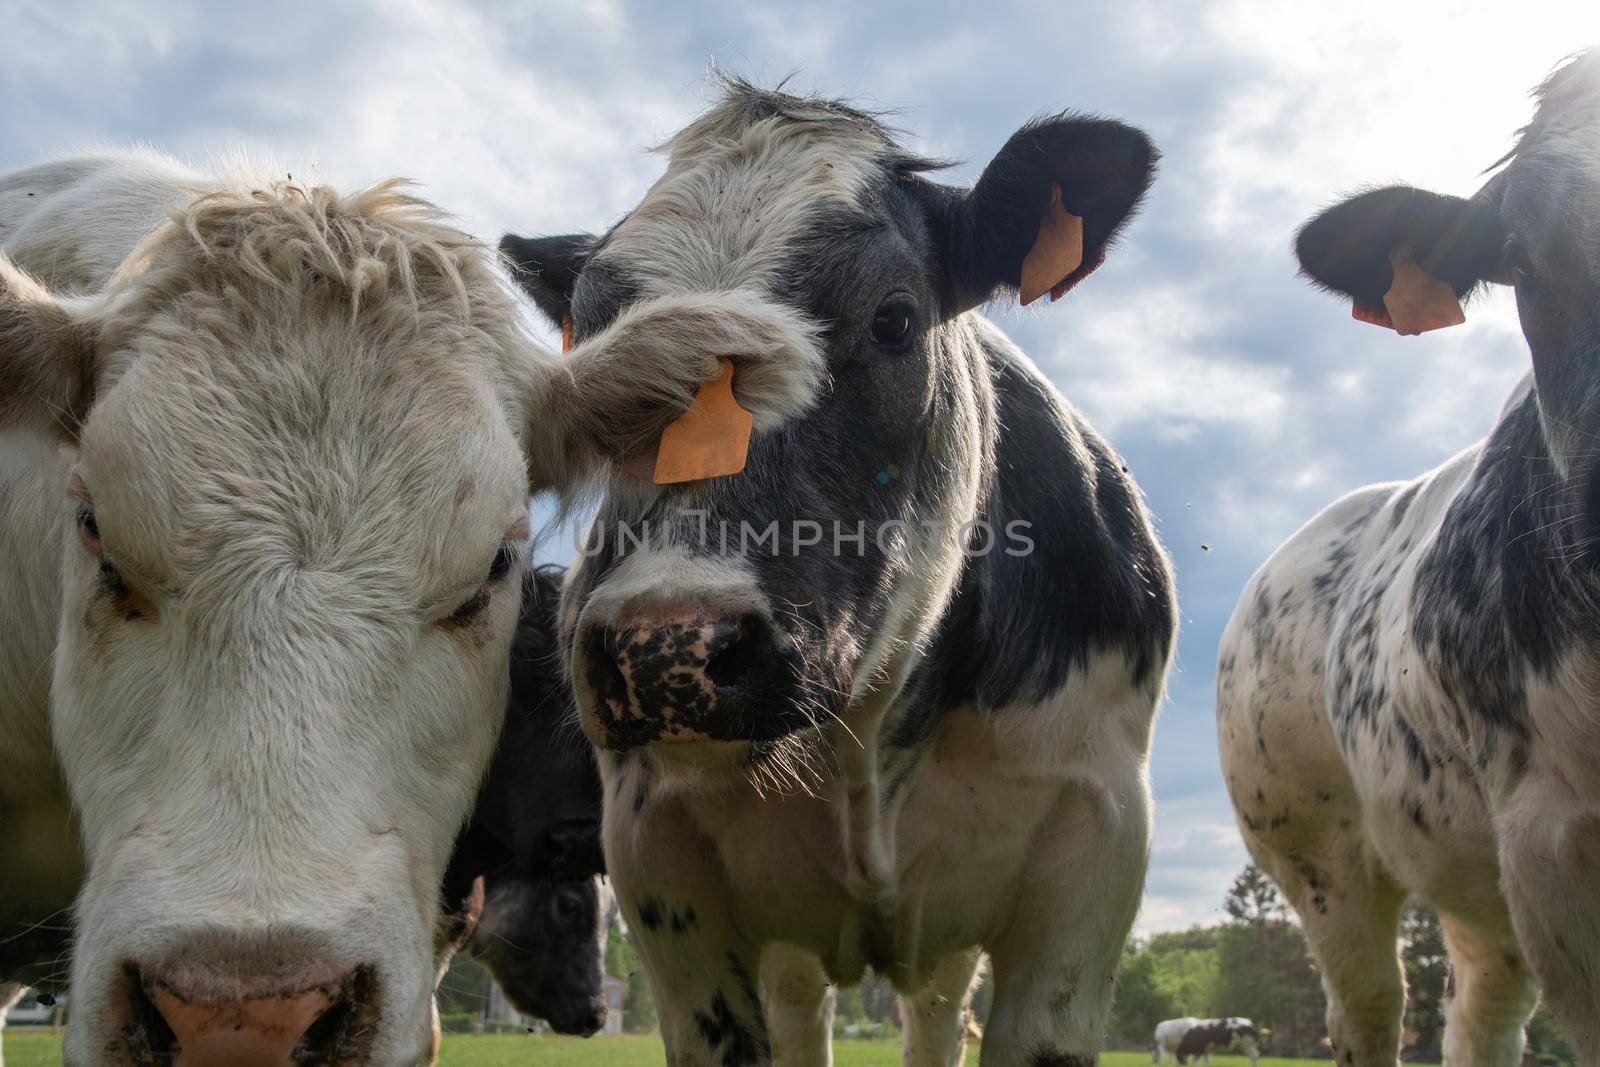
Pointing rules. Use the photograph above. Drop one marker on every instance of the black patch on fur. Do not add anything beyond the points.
(1212, 1035)
(650, 913)
(1096, 580)
(740, 1043)
(1051, 1058)
(548, 267)
(1493, 598)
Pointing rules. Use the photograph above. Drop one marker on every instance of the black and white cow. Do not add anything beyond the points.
(1219, 1035)
(912, 723)
(544, 942)
(1407, 690)
(534, 839)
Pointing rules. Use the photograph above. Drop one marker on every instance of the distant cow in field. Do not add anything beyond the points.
(266, 449)
(10, 992)
(1406, 692)
(534, 839)
(1168, 1034)
(826, 751)
(1219, 1035)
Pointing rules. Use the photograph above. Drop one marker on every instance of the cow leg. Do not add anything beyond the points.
(1075, 903)
(935, 1016)
(798, 1000)
(1492, 996)
(671, 888)
(1351, 917)
(1550, 866)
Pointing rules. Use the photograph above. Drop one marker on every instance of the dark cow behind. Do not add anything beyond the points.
(1220, 1035)
(1406, 692)
(534, 839)
(885, 697)
(544, 942)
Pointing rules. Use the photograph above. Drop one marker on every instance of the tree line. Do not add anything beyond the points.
(1256, 964)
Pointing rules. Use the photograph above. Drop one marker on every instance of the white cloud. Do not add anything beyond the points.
(1137, 357)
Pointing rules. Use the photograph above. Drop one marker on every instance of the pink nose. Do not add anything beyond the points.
(312, 1024)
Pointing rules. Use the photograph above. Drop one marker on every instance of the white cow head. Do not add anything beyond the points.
(302, 429)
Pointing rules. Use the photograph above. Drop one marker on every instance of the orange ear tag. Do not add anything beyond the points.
(710, 440)
(566, 333)
(1056, 252)
(1367, 313)
(1418, 302)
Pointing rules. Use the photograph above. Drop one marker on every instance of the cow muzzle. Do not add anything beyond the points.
(661, 680)
(184, 1018)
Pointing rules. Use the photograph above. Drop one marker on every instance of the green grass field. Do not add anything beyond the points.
(35, 1049)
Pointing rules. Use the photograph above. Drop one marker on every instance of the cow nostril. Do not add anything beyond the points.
(601, 668)
(324, 1036)
(332, 1031)
(148, 1036)
(733, 663)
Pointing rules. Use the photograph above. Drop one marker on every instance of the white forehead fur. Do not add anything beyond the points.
(740, 187)
(297, 335)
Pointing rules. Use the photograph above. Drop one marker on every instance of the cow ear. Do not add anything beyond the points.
(1350, 247)
(548, 268)
(1056, 178)
(44, 355)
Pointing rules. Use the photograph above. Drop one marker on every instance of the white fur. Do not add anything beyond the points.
(1025, 832)
(306, 420)
(1334, 827)
(1169, 1033)
(748, 189)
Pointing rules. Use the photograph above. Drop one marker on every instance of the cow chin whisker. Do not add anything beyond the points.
(802, 762)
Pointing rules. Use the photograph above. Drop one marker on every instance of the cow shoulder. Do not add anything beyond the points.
(1495, 597)
(1072, 568)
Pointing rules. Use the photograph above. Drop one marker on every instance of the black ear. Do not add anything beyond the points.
(1347, 248)
(548, 268)
(1102, 169)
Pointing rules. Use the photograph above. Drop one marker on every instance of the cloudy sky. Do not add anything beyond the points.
(1243, 400)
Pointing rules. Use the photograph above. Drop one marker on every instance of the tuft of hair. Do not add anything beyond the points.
(1569, 97)
(745, 108)
(310, 241)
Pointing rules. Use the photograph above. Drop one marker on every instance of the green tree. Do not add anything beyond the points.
(1547, 1043)
(464, 987)
(622, 961)
(1265, 969)
(1138, 1003)
(1427, 967)
(1187, 978)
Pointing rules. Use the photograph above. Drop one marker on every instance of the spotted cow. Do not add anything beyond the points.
(1168, 1034)
(1206, 1036)
(885, 697)
(1406, 691)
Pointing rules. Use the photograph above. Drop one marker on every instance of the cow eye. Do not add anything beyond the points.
(504, 558)
(89, 530)
(1520, 263)
(891, 323)
(567, 906)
